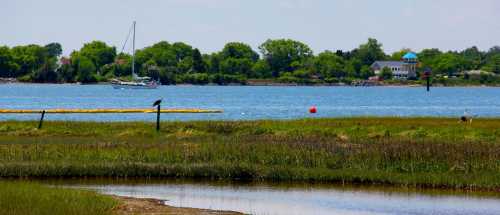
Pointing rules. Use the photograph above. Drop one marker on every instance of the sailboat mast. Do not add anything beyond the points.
(133, 52)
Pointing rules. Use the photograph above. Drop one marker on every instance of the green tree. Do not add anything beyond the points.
(493, 64)
(447, 63)
(47, 73)
(198, 63)
(7, 65)
(182, 51)
(99, 53)
(239, 51)
(366, 72)
(473, 58)
(29, 58)
(285, 55)
(214, 63)
(66, 73)
(428, 57)
(54, 49)
(86, 69)
(386, 73)
(234, 66)
(370, 52)
(261, 69)
(328, 64)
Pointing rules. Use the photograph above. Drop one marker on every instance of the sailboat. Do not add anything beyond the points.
(138, 82)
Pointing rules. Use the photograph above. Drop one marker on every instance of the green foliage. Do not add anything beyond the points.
(239, 51)
(386, 73)
(99, 53)
(448, 63)
(285, 55)
(29, 58)
(493, 64)
(261, 69)
(7, 65)
(198, 63)
(283, 60)
(54, 49)
(328, 65)
(47, 73)
(370, 52)
(85, 71)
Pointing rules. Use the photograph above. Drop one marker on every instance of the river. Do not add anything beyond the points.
(250, 102)
(299, 199)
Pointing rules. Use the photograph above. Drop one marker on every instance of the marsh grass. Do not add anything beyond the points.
(430, 152)
(27, 198)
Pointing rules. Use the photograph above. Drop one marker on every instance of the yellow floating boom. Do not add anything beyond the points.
(68, 111)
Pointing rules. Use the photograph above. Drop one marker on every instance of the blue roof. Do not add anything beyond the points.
(410, 55)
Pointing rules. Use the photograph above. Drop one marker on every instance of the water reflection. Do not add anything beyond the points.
(301, 198)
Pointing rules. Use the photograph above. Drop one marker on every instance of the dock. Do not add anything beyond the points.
(84, 111)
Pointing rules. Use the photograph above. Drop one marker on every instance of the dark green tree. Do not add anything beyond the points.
(327, 64)
(54, 49)
(7, 65)
(29, 58)
(261, 69)
(285, 55)
(473, 58)
(370, 52)
(198, 63)
(386, 73)
(493, 64)
(85, 70)
(99, 53)
(239, 51)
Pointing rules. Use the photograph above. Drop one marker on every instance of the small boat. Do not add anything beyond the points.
(137, 82)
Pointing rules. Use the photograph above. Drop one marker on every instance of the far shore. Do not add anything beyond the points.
(278, 84)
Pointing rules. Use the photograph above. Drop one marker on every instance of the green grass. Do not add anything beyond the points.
(26, 198)
(417, 152)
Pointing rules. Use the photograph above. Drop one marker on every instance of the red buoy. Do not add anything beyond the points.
(313, 109)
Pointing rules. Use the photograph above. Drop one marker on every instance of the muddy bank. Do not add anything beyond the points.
(135, 206)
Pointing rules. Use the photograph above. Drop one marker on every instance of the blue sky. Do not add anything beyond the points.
(209, 24)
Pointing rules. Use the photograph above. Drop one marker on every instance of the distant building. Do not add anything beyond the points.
(404, 69)
(65, 61)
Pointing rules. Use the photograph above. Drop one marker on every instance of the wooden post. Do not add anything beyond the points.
(158, 119)
(428, 83)
(41, 120)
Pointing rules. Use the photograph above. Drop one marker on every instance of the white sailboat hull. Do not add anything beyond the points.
(134, 85)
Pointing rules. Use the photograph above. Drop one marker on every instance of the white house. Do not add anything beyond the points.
(404, 69)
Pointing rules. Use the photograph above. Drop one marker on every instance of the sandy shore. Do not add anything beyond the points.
(135, 206)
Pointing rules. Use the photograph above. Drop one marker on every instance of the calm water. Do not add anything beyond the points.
(304, 199)
(246, 102)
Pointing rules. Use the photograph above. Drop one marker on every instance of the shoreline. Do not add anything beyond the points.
(135, 206)
(273, 85)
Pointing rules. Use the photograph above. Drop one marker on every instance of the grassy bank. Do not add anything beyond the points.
(25, 198)
(428, 152)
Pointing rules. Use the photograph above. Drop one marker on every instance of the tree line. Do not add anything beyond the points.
(280, 60)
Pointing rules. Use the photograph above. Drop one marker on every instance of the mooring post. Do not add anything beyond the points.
(428, 83)
(427, 76)
(158, 118)
(157, 104)
(41, 120)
